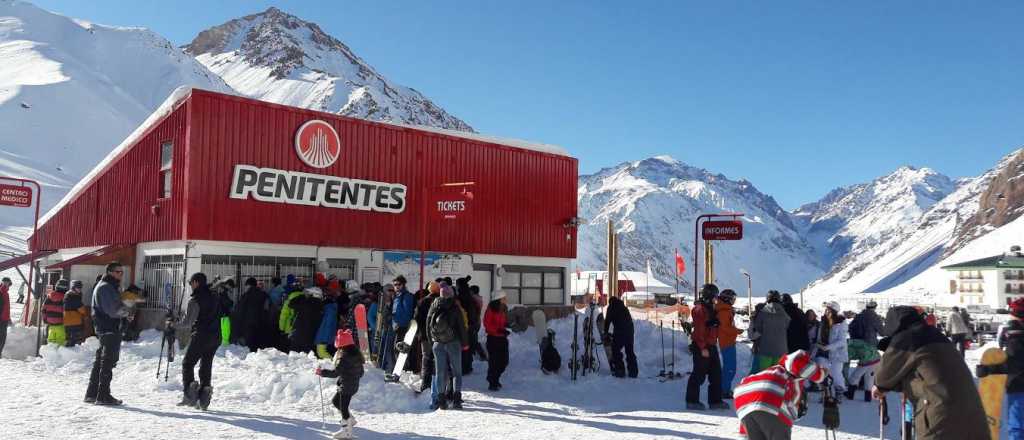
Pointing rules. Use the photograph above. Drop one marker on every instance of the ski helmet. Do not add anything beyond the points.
(62, 285)
(708, 292)
(76, 284)
(1017, 307)
(727, 296)
(872, 304)
(774, 296)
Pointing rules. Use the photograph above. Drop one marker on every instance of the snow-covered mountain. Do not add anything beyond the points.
(71, 90)
(654, 203)
(277, 57)
(912, 251)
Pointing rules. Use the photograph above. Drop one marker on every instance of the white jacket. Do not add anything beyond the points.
(955, 325)
(837, 351)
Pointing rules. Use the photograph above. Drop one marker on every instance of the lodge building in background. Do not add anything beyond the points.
(237, 187)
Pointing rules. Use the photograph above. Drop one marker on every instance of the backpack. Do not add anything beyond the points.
(857, 329)
(550, 360)
(440, 327)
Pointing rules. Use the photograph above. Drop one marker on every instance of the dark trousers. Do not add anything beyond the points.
(201, 350)
(618, 369)
(961, 343)
(764, 426)
(342, 401)
(427, 360)
(103, 366)
(497, 358)
(3, 336)
(709, 368)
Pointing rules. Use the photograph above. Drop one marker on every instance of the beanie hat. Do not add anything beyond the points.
(1017, 307)
(76, 283)
(352, 286)
(250, 281)
(62, 285)
(774, 296)
(343, 339)
(498, 294)
(872, 304)
(320, 279)
(800, 364)
(834, 306)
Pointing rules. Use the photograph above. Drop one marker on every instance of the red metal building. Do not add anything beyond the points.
(235, 186)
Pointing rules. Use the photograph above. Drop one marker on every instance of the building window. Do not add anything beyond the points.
(531, 285)
(166, 158)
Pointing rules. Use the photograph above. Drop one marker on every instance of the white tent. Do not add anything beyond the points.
(638, 296)
(586, 282)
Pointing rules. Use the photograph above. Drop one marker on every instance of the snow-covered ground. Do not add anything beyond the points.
(272, 395)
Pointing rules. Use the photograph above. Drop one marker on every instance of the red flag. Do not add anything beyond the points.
(578, 272)
(680, 264)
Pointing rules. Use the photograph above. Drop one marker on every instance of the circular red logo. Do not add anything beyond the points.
(317, 144)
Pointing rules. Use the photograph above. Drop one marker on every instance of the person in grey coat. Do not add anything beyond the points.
(958, 330)
(770, 330)
(108, 311)
(867, 324)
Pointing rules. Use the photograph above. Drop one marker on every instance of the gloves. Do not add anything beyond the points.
(318, 371)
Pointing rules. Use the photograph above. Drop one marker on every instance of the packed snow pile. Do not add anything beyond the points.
(273, 395)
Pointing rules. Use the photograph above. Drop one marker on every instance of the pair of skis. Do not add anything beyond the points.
(668, 372)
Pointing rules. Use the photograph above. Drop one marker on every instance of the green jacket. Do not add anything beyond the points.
(287, 319)
(862, 351)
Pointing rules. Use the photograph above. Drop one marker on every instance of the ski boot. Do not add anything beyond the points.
(849, 394)
(695, 406)
(108, 400)
(190, 396)
(205, 394)
(457, 401)
(345, 432)
(719, 406)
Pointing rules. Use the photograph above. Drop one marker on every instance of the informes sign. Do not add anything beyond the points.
(451, 203)
(722, 230)
(436, 265)
(17, 196)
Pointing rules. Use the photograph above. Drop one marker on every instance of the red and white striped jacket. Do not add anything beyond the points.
(777, 389)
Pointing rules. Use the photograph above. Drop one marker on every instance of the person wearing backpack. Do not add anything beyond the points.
(866, 325)
(447, 333)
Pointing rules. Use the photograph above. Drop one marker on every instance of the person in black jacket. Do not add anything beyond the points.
(202, 319)
(250, 319)
(426, 348)
(309, 312)
(619, 319)
(465, 297)
(1013, 368)
(108, 311)
(796, 334)
(348, 368)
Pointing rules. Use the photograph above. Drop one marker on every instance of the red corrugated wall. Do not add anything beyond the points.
(521, 198)
(116, 207)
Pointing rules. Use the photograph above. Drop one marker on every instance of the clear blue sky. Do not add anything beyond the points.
(798, 97)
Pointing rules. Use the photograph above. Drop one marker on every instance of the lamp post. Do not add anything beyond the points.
(750, 295)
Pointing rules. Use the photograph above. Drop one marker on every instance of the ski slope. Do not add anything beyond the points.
(271, 395)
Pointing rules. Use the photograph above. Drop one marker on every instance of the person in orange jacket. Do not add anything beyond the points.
(727, 333)
(75, 315)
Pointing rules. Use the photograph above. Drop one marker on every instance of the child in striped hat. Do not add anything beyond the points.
(767, 402)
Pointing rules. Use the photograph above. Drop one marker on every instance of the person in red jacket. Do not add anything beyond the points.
(495, 325)
(767, 403)
(5, 311)
(704, 346)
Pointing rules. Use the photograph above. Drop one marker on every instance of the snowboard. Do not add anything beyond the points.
(606, 342)
(404, 347)
(383, 319)
(361, 326)
(540, 326)
(992, 389)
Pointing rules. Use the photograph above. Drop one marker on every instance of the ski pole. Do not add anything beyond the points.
(661, 328)
(160, 359)
(323, 413)
(881, 418)
(673, 374)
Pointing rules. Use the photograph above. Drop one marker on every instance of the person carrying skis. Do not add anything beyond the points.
(251, 317)
(426, 347)
(5, 311)
(618, 318)
(727, 334)
(703, 346)
(770, 330)
(1013, 368)
(768, 402)
(108, 312)
(202, 320)
(447, 332)
(920, 362)
(496, 327)
(796, 334)
(348, 368)
(75, 315)
(832, 349)
(53, 313)
(958, 330)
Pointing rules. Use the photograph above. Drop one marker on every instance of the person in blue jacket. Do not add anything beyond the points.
(402, 308)
(328, 329)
